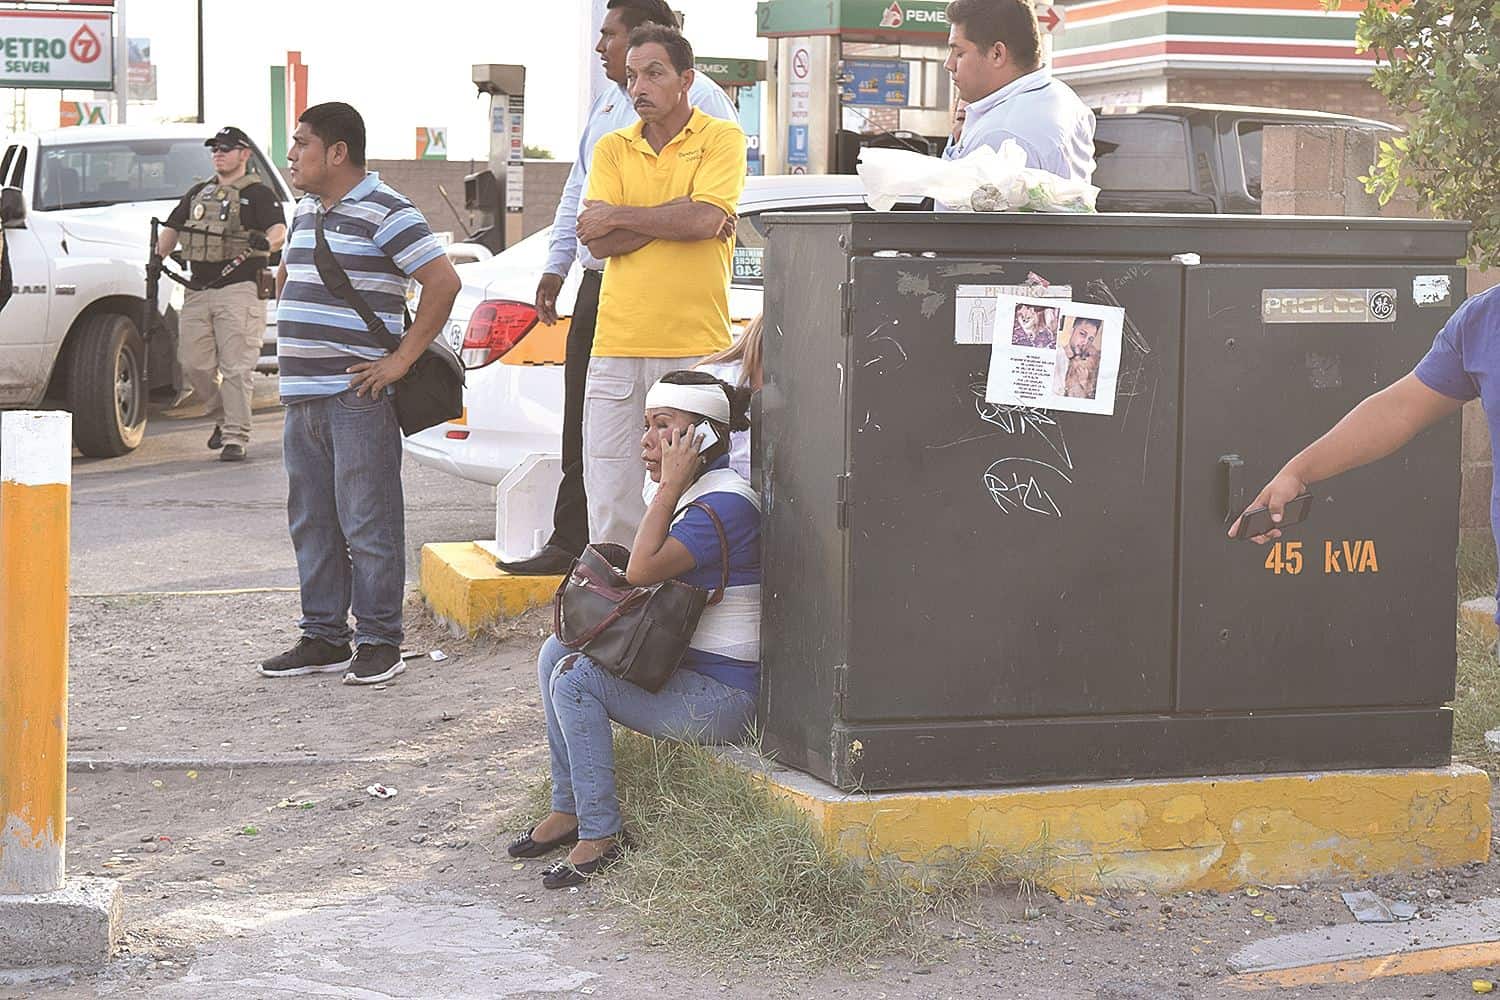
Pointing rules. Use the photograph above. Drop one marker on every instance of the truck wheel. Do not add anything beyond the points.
(105, 390)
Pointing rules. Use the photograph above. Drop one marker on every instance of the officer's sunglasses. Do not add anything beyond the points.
(223, 149)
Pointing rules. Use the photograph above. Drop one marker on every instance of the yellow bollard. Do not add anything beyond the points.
(36, 450)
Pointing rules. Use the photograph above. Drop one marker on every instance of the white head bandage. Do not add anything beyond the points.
(705, 400)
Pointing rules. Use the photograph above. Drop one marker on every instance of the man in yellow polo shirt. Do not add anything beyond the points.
(660, 212)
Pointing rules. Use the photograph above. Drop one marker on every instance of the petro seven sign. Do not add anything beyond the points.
(53, 49)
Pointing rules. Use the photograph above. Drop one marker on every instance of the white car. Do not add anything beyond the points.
(514, 395)
(77, 208)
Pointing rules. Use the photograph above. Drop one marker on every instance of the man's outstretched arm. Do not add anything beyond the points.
(1378, 426)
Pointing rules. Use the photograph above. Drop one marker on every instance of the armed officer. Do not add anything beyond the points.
(229, 226)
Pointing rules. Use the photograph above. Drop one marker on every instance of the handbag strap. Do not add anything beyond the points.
(631, 600)
(718, 595)
(336, 280)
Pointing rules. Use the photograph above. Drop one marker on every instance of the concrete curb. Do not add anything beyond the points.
(1471, 923)
(86, 764)
(75, 927)
(1174, 835)
(462, 586)
(1480, 616)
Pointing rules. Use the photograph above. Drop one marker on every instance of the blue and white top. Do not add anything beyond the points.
(726, 645)
(381, 240)
(1043, 116)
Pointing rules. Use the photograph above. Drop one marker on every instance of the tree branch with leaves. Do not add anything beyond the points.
(1438, 62)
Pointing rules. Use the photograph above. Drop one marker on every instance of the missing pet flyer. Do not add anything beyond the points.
(1055, 355)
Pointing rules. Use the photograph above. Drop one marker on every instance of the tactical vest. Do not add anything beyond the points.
(213, 231)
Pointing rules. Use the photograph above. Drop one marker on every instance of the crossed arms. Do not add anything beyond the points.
(615, 230)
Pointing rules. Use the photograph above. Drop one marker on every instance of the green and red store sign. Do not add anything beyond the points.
(1117, 35)
(853, 17)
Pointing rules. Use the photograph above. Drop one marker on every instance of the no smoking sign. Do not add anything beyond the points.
(801, 64)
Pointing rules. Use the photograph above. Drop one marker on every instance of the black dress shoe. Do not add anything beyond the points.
(216, 439)
(565, 873)
(552, 560)
(526, 846)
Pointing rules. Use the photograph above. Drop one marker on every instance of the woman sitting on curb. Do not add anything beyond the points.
(711, 697)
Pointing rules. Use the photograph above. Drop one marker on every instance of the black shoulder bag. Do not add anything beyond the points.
(432, 390)
(639, 634)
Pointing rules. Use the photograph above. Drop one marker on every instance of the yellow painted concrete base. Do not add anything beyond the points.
(1176, 835)
(462, 586)
(1480, 615)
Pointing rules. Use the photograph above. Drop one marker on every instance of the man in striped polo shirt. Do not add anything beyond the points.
(341, 443)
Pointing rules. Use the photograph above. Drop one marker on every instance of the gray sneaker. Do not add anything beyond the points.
(375, 663)
(309, 656)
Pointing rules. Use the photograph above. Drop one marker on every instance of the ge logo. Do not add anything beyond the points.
(1382, 305)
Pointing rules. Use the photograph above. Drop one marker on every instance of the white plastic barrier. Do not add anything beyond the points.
(524, 503)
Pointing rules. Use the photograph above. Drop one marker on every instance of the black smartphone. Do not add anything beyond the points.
(1257, 520)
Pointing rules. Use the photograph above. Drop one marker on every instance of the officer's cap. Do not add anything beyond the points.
(229, 136)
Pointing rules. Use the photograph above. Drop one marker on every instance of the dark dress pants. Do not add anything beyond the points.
(570, 517)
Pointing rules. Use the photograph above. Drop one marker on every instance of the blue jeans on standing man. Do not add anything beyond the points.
(580, 698)
(347, 515)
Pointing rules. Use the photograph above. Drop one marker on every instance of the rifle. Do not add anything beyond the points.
(156, 266)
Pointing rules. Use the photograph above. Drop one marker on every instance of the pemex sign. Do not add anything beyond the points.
(779, 18)
(54, 49)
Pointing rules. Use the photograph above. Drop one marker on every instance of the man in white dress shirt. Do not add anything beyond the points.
(994, 56)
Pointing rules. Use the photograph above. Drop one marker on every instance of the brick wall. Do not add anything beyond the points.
(1314, 170)
(545, 180)
(1345, 97)
(419, 180)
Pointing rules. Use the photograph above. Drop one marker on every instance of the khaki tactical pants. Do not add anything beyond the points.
(614, 410)
(219, 339)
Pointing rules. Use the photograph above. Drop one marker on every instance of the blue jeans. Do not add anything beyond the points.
(347, 515)
(580, 698)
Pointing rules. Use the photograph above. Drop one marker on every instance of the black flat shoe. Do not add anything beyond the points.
(552, 560)
(525, 846)
(565, 873)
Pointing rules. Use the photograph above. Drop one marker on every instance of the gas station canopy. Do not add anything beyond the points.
(856, 20)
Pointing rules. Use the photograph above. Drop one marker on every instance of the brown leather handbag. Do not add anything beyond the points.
(639, 634)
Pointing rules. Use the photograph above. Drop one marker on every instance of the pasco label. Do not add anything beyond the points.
(1328, 305)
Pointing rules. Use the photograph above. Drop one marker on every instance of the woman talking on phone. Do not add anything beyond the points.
(711, 697)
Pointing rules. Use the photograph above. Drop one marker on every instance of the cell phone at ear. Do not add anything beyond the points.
(1257, 520)
(709, 438)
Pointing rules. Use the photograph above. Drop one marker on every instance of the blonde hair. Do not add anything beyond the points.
(746, 351)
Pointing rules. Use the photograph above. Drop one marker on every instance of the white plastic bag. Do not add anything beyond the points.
(986, 180)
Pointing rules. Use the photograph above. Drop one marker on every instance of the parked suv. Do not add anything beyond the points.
(1192, 157)
(77, 208)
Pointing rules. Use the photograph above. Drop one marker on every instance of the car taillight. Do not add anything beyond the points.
(495, 328)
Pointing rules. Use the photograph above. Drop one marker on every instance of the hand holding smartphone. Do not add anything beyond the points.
(1257, 520)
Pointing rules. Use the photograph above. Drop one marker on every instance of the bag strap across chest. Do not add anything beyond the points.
(336, 280)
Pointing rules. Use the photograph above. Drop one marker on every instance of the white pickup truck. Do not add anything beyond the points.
(77, 206)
